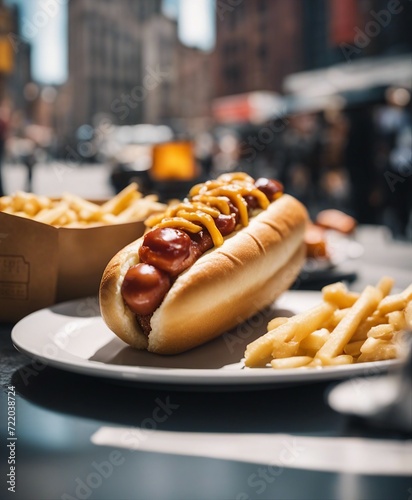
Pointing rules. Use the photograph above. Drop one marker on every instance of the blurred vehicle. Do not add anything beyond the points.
(129, 150)
(150, 156)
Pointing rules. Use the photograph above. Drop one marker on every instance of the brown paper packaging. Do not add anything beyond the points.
(41, 264)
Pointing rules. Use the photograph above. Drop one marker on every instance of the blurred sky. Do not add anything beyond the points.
(46, 29)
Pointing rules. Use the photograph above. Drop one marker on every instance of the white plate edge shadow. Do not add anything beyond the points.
(57, 357)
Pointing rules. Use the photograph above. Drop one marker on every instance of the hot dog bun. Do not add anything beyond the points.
(224, 287)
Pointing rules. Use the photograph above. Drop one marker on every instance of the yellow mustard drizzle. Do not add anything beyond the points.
(207, 201)
(236, 198)
(179, 223)
(192, 207)
(206, 221)
(220, 202)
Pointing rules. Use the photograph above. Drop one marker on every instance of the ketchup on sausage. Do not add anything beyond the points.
(167, 251)
(144, 288)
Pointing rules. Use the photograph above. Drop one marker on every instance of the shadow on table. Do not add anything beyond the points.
(291, 409)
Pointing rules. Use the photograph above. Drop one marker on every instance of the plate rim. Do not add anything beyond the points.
(190, 376)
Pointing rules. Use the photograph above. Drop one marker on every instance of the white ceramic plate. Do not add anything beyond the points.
(72, 336)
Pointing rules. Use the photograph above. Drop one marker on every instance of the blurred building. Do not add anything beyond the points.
(159, 80)
(125, 62)
(250, 54)
(195, 87)
(106, 68)
(15, 54)
(354, 49)
(176, 81)
(336, 31)
(6, 49)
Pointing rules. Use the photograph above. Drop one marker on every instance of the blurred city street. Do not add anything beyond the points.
(53, 178)
(205, 249)
(181, 90)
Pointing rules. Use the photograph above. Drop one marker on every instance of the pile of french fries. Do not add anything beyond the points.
(73, 211)
(346, 327)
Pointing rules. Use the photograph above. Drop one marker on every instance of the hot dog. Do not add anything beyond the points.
(208, 263)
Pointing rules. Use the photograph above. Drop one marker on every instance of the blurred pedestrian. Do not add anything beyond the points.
(360, 164)
(300, 171)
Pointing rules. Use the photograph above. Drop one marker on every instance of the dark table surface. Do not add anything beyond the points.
(89, 438)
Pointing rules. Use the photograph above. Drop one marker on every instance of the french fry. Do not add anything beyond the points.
(119, 202)
(275, 322)
(353, 348)
(284, 349)
(67, 218)
(108, 219)
(50, 215)
(408, 315)
(384, 332)
(140, 208)
(338, 294)
(314, 341)
(130, 204)
(44, 202)
(377, 349)
(295, 362)
(31, 208)
(397, 320)
(365, 325)
(86, 210)
(336, 318)
(18, 201)
(341, 335)
(28, 203)
(5, 202)
(385, 285)
(133, 211)
(373, 328)
(297, 328)
(342, 359)
(395, 302)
